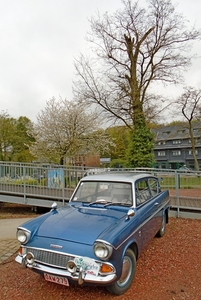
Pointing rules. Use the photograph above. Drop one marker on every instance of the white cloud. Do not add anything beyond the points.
(39, 41)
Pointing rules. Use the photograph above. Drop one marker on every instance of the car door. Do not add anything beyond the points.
(147, 211)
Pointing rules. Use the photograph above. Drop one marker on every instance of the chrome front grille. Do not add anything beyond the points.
(50, 258)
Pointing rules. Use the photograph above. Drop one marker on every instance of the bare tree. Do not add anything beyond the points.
(133, 48)
(190, 104)
(64, 129)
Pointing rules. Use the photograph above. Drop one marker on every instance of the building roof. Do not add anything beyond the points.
(179, 131)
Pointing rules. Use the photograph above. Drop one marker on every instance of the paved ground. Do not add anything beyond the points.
(8, 248)
(8, 242)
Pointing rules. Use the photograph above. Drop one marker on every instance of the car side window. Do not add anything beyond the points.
(142, 191)
(154, 186)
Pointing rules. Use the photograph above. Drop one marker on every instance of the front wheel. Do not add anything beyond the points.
(127, 275)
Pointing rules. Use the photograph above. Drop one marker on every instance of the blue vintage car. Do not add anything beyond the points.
(97, 237)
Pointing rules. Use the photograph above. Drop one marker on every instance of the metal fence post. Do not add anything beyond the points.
(63, 187)
(24, 182)
(177, 183)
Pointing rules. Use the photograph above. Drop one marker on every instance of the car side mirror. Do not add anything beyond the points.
(54, 206)
(130, 213)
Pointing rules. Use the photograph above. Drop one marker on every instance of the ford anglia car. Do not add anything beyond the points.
(98, 236)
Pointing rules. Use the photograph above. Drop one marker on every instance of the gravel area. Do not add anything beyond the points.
(13, 210)
(170, 269)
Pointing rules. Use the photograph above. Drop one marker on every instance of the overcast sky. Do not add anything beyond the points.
(39, 40)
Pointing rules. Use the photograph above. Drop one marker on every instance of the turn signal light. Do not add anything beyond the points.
(106, 268)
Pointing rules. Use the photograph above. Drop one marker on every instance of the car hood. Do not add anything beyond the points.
(81, 224)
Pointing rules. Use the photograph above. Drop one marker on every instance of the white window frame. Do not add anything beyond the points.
(190, 152)
(176, 153)
(175, 142)
(161, 153)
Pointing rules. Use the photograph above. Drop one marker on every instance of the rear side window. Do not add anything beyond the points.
(142, 191)
(146, 189)
(154, 186)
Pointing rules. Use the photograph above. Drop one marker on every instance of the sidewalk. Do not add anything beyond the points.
(8, 242)
(8, 248)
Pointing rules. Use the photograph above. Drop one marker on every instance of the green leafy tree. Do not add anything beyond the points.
(6, 134)
(141, 148)
(14, 140)
(121, 137)
(133, 49)
(22, 141)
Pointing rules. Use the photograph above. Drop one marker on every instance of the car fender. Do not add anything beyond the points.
(133, 245)
(165, 211)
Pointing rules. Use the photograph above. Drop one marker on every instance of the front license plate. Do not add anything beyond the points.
(89, 265)
(56, 279)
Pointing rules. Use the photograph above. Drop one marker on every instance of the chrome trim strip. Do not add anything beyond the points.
(104, 242)
(22, 228)
(57, 252)
(92, 208)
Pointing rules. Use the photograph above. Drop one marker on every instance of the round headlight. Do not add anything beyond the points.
(23, 236)
(102, 250)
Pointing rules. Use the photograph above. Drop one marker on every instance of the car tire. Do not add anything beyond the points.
(161, 231)
(128, 274)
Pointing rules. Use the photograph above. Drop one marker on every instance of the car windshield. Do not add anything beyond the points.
(93, 192)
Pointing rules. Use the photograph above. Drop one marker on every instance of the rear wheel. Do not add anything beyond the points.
(127, 276)
(161, 231)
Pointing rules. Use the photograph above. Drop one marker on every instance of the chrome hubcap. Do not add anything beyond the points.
(126, 271)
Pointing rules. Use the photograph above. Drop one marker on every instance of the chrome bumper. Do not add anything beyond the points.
(80, 277)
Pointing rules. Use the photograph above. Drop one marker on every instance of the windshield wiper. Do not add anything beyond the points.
(117, 203)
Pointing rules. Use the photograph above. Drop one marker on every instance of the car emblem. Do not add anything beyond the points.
(56, 246)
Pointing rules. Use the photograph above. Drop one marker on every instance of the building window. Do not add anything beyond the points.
(181, 131)
(161, 143)
(176, 142)
(195, 130)
(191, 153)
(165, 133)
(161, 153)
(176, 153)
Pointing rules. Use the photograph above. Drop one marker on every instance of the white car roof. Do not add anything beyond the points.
(117, 176)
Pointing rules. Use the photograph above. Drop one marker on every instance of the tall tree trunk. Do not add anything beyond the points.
(193, 147)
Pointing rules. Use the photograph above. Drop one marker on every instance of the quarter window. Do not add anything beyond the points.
(154, 186)
(142, 192)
